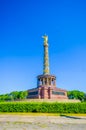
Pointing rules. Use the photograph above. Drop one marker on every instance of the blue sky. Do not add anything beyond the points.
(22, 24)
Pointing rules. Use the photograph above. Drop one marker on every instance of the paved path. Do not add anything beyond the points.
(21, 122)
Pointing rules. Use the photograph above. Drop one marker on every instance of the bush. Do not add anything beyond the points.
(43, 107)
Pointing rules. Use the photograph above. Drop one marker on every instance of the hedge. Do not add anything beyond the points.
(43, 107)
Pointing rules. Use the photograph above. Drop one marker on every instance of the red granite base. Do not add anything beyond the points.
(45, 92)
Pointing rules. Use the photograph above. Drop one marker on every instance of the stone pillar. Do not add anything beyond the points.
(47, 82)
(50, 93)
(50, 81)
(39, 96)
(40, 82)
(43, 81)
(54, 82)
(46, 57)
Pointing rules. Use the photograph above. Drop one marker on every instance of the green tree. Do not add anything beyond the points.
(75, 94)
(85, 97)
(22, 94)
(14, 95)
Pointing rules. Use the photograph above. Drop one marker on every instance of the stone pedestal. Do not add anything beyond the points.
(46, 80)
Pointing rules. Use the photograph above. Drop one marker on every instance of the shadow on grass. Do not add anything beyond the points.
(72, 117)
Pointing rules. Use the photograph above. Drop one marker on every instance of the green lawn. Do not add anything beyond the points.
(39, 114)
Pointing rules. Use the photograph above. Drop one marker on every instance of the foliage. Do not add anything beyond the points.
(43, 107)
(85, 98)
(19, 95)
(75, 94)
(15, 95)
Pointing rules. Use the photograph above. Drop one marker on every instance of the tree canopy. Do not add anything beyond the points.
(15, 95)
(76, 94)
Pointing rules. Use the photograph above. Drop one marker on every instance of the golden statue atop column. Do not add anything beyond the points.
(45, 38)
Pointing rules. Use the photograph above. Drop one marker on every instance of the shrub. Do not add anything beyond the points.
(43, 107)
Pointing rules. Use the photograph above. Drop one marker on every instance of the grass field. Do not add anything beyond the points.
(40, 114)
